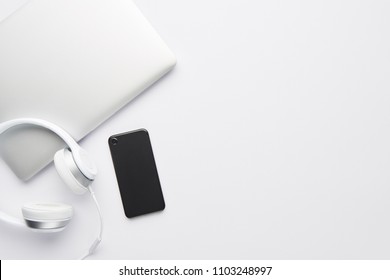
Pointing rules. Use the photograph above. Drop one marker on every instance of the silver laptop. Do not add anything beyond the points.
(74, 63)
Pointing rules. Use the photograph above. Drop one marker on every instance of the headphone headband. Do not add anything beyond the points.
(86, 166)
(75, 169)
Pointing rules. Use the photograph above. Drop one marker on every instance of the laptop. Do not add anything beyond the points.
(74, 63)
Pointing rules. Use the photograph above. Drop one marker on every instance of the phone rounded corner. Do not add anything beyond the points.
(144, 130)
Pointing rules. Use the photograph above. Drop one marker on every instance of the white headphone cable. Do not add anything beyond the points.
(99, 238)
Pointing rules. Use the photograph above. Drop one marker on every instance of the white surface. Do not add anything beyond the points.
(271, 138)
(74, 63)
(8, 7)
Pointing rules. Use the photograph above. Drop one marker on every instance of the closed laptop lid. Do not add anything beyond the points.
(74, 63)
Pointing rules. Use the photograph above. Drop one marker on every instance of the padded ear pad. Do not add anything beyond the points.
(47, 217)
(69, 172)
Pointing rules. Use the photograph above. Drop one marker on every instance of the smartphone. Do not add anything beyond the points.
(136, 173)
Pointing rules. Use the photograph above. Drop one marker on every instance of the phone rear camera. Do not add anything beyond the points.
(114, 141)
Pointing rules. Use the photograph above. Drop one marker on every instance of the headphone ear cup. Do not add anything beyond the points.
(47, 217)
(69, 172)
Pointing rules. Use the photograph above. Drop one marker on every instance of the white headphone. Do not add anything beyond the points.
(76, 170)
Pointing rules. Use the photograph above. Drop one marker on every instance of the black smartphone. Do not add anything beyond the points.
(136, 173)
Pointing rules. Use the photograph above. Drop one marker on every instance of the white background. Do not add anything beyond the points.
(281, 269)
(271, 138)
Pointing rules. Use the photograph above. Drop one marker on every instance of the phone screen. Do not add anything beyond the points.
(136, 173)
